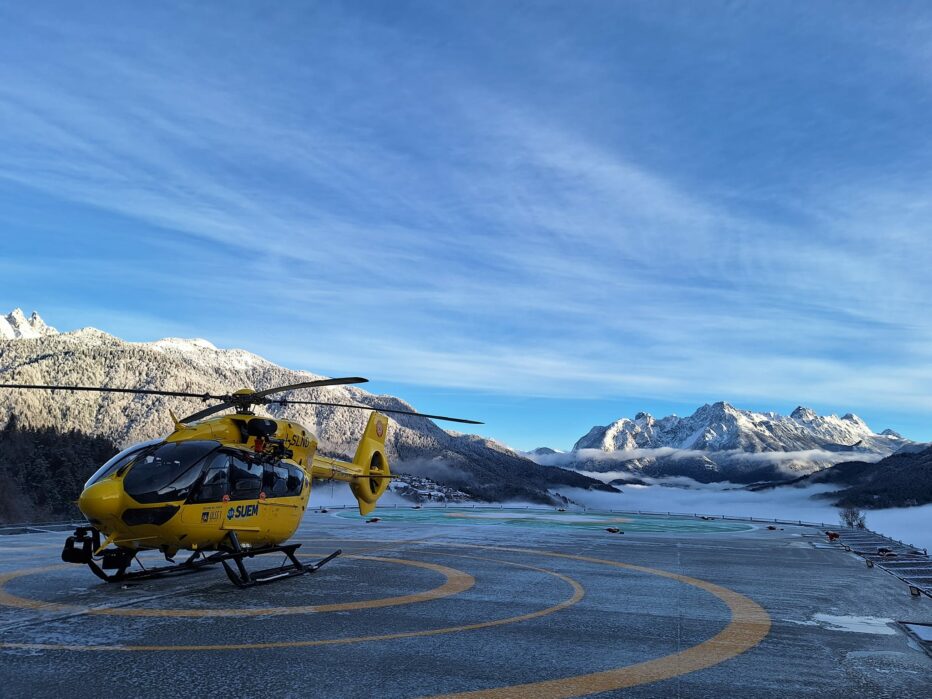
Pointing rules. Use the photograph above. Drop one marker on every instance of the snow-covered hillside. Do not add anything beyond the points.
(33, 353)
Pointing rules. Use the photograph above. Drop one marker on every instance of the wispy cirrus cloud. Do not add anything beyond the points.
(583, 217)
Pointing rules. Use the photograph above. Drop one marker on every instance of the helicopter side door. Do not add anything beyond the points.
(205, 508)
(228, 495)
(251, 496)
(242, 512)
(282, 512)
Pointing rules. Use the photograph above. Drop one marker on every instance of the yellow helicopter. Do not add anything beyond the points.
(225, 488)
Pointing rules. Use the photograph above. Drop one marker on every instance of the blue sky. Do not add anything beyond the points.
(546, 215)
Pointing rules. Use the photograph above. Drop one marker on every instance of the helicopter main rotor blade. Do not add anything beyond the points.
(258, 398)
(105, 389)
(381, 410)
(201, 414)
(310, 384)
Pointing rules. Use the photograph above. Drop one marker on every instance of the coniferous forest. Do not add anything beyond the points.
(43, 471)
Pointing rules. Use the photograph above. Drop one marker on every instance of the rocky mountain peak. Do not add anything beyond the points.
(802, 413)
(722, 427)
(717, 409)
(16, 326)
(851, 417)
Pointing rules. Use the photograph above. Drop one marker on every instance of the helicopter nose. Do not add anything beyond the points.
(102, 502)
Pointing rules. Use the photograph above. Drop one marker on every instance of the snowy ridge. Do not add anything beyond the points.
(202, 352)
(722, 427)
(181, 345)
(719, 442)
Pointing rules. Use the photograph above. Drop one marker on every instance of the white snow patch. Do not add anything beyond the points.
(855, 624)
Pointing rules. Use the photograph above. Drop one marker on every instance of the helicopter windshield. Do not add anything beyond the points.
(124, 458)
(167, 473)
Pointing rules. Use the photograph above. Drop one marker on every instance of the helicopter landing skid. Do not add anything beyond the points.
(79, 549)
(193, 564)
(243, 578)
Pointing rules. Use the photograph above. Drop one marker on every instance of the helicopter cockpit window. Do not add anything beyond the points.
(216, 479)
(124, 458)
(167, 472)
(245, 479)
(275, 481)
(295, 481)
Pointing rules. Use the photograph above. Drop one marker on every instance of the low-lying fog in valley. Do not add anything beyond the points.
(908, 524)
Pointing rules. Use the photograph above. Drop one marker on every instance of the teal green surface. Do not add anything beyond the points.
(551, 518)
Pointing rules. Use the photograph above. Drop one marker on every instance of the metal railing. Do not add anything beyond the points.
(908, 563)
(544, 508)
(37, 527)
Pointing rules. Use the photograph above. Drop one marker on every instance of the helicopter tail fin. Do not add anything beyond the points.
(371, 460)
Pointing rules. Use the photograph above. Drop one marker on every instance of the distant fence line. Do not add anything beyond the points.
(593, 510)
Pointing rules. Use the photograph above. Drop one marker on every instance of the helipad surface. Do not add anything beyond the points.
(525, 517)
(497, 603)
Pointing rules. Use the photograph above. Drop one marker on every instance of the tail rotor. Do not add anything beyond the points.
(371, 460)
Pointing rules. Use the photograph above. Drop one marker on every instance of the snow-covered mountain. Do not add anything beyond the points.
(16, 326)
(719, 442)
(721, 427)
(32, 352)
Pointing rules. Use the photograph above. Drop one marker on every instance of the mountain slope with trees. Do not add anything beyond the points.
(43, 471)
(903, 479)
(40, 355)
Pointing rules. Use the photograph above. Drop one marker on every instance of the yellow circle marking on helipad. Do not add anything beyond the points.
(456, 582)
(749, 625)
(578, 593)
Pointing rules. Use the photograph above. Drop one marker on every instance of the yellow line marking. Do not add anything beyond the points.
(749, 625)
(456, 582)
(578, 593)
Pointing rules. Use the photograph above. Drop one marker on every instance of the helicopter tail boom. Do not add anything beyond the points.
(368, 474)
